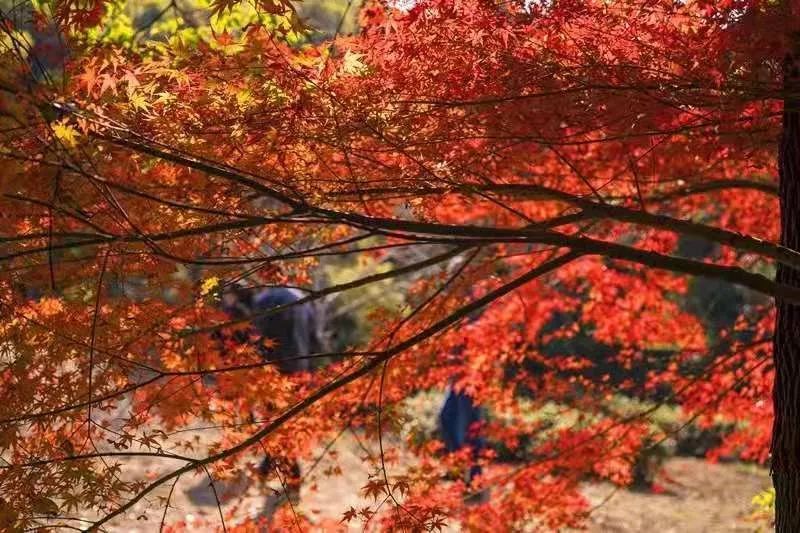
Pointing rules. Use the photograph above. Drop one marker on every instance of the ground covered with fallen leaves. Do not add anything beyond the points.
(697, 496)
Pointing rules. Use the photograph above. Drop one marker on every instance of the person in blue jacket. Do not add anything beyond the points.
(459, 421)
(294, 336)
(295, 329)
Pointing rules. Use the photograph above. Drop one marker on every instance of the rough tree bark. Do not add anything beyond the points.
(786, 348)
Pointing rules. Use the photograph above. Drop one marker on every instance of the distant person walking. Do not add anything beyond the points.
(296, 329)
(293, 334)
(459, 423)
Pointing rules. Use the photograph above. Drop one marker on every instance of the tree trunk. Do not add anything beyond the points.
(786, 347)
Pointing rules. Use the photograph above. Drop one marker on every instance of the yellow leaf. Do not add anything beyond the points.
(352, 64)
(66, 134)
(244, 99)
(165, 98)
(208, 285)
(138, 101)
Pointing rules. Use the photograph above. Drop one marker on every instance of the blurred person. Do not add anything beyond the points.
(459, 423)
(293, 335)
(460, 420)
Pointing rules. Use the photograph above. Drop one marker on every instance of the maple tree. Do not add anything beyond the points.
(528, 173)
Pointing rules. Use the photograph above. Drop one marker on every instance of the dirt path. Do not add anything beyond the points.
(711, 498)
(708, 498)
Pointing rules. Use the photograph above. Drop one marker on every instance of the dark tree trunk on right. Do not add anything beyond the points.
(786, 348)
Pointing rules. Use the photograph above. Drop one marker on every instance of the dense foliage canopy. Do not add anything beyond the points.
(559, 190)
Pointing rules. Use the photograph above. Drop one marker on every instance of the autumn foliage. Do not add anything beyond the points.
(534, 177)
